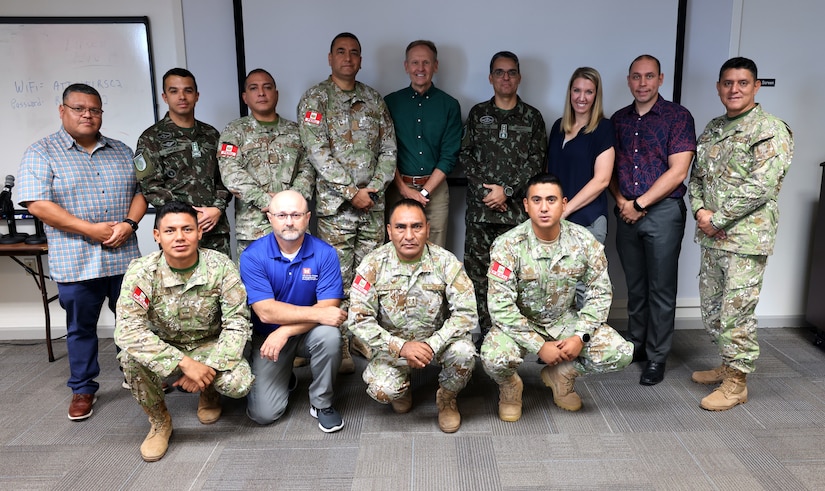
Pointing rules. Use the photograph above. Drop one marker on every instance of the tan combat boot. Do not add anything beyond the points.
(561, 378)
(347, 365)
(361, 348)
(449, 419)
(403, 404)
(733, 391)
(709, 377)
(509, 398)
(157, 441)
(209, 405)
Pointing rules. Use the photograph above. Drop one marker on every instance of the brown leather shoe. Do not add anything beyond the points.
(81, 406)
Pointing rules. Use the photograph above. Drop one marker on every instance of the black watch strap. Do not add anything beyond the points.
(131, 223)
(638, 207)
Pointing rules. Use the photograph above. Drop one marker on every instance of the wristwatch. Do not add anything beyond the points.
(424, 193)
(584, 337)
(508, 191)
(638, 207)
(131, 223)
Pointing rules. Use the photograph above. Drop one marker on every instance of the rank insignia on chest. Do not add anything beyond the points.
(140, 297)
(500, 271)
(502, 132)
(196, 150)
(313, 117)
(361, 284)
(229, 150)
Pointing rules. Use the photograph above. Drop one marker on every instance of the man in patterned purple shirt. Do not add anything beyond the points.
(655, 144)
(82, 186)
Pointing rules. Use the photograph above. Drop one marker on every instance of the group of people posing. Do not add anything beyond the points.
(534, 278)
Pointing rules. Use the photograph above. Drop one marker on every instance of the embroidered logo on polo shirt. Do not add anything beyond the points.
(140, 297)
(229, 150)
(313, 117)
(306, 275)
(361, 284)
(500, 271)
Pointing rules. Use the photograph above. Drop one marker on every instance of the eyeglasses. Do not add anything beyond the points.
(80, 111)
(499, 73)
(281, 217)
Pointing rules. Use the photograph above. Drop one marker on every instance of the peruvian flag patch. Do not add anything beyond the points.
(500, 271)
(361, 284)
(140, 297)
(313, 117)
(229, 150)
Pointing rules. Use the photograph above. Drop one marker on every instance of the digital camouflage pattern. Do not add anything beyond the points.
(162, 316)
(729, 287)
(498, 147)
(738, 172)
(739, 169)
(181, 164)
(532, 299)
(350, 141)
(430, 301)
(257, 161)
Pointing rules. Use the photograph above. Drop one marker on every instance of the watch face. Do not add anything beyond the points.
(508, 191)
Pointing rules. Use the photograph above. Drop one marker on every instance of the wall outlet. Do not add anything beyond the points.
(29, 262)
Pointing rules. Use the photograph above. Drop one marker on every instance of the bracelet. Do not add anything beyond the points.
(131, 223)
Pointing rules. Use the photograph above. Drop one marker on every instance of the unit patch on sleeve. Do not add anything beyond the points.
(500, 271)
(229, 150)
(361, 284)
(313, 117)
(140, 297)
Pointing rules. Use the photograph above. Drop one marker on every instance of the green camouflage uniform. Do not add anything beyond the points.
(350, 141)
(431, 301)
(258, 160)
(181, 164)
(162, 316)
(498, 147)
(739, 168)
(532, 299)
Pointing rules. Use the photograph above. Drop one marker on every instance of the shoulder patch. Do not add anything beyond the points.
(140, 297)
(361, 284)
(313, 117)
(500, 271)
(229, 150)
(140, 162)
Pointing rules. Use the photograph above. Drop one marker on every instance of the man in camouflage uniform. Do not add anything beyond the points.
(176, 160)
(532, 300)
(504, 143)
(412, 303)
(348, 133)
(741, 159)
(182, 311)
(261, 155)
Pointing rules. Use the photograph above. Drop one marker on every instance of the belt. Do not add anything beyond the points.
(415, 180)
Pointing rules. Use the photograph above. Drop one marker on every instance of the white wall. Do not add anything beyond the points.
(22, 311)
(714, 30)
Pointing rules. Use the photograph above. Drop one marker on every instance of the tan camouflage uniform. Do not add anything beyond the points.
(430, 301)
(162, 316)
(350, 141)
(532, 299)
(258, 159)
(181, 164)
(739, 168)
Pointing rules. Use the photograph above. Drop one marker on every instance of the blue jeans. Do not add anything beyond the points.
(83, 301)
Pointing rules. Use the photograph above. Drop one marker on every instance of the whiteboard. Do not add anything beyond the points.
(42, 56)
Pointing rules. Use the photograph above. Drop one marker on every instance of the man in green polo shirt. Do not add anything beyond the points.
(428, 133)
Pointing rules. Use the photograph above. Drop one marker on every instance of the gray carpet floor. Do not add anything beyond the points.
(627, 436)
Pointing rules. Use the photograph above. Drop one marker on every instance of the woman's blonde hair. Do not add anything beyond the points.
(568, 119)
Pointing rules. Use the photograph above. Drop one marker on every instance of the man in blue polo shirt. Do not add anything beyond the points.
(294, 286)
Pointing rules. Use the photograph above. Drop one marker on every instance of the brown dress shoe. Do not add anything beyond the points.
(81, 406)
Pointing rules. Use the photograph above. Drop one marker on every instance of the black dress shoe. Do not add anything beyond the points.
(653, 373)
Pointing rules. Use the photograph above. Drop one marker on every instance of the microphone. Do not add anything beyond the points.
(7, 207)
